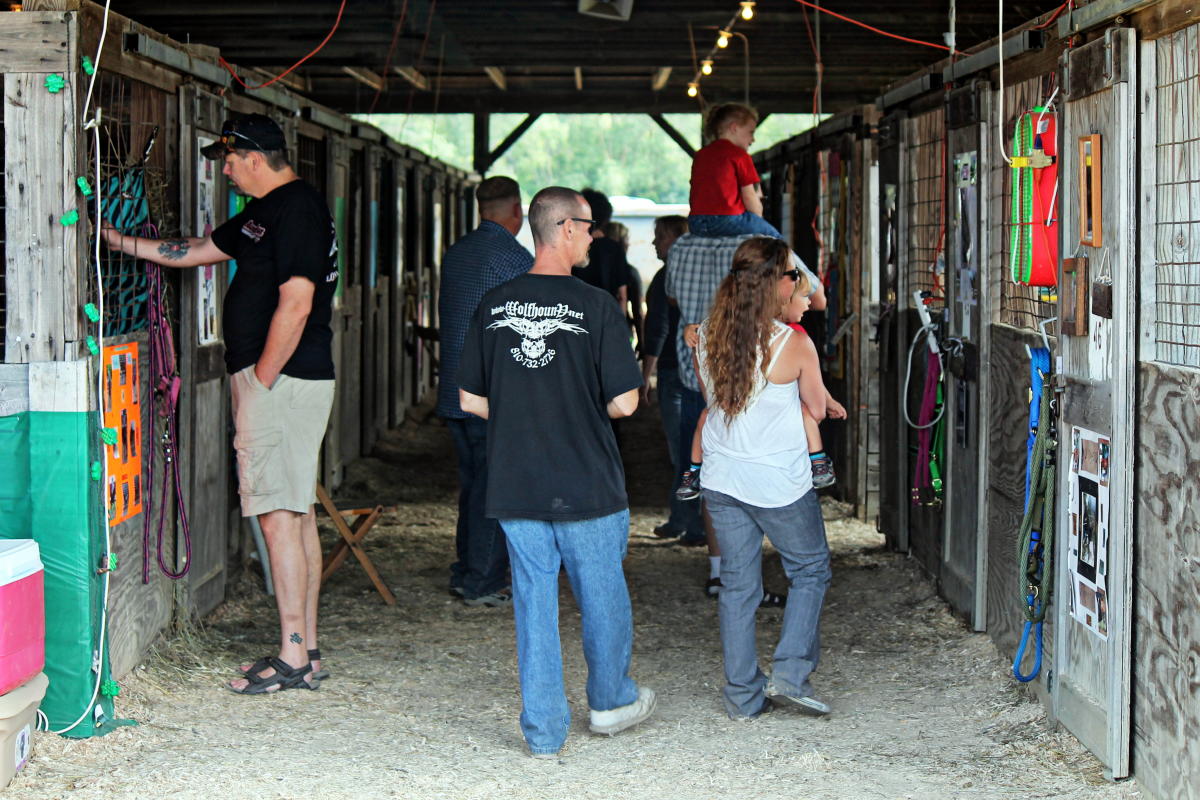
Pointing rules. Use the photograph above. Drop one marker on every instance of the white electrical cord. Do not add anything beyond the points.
(87, 103)
(1000, 58)
(922, 331)
(98, 663)
(1054, 195)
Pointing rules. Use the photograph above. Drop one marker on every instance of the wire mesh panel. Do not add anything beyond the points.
(1020, 306)
(1177, 179)
(311, 161)
(137, 165)
(925, 141)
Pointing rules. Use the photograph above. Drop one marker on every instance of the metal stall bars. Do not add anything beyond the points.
(922, 198)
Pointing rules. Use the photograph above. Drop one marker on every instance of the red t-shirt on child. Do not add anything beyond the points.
(719, 171)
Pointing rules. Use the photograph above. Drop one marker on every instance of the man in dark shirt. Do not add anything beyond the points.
(658, 352)
(277, 351)
(547, 362)
(605, 266)
(475, 264)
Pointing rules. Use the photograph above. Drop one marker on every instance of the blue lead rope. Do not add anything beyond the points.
(1039, 368)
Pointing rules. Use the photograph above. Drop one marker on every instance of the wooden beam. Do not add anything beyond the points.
(482, 159)
(661, 76)
(34, 42)
(413, 76)
(365, 76)
(675, 135)
(579, 79)
(497, 76)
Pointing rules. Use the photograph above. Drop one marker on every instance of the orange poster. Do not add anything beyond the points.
(122, 415)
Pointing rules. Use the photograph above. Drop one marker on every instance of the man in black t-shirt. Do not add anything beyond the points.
(547, 362)
(277, 351)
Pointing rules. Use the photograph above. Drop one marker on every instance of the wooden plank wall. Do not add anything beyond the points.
(1166, 709)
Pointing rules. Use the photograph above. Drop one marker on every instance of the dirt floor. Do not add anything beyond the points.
(423, 701)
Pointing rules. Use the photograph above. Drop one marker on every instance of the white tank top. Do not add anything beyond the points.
(760, 456)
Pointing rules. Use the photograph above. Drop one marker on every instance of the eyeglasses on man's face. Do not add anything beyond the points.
(588, 222)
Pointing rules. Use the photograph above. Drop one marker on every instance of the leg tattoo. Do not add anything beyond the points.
(295, 638)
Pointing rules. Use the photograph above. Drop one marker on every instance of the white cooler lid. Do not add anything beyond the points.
(19, 558)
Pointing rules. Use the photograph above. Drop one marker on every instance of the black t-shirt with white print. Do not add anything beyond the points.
(287, 232)
(549, 352)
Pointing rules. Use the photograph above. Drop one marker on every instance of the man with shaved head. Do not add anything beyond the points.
(547, 362)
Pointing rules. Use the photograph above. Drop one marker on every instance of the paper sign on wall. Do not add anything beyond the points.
(207, 307)
(123, 414)
(1088, 515)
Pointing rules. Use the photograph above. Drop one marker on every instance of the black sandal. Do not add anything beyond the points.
(321, 674)
(772, 600)
(285, 677)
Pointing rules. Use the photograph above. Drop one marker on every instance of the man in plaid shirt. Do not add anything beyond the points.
(696, 265)
(477, 263)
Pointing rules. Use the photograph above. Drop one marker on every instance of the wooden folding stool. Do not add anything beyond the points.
(352, 535)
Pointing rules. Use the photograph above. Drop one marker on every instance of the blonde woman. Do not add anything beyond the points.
(755, 373)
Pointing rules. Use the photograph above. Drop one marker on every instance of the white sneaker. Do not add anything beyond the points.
(618, 719)
(806, 703)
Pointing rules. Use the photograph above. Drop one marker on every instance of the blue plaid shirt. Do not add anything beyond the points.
(474, 265)
(696, 265)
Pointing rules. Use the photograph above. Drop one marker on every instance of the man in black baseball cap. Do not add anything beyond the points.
(279, 358)
(248, 132)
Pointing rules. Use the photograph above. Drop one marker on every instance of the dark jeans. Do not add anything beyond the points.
(690, 405)
(670, 398)
(482, 566)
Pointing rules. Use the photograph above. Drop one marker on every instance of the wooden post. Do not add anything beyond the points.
(482, 144)
(43, 255)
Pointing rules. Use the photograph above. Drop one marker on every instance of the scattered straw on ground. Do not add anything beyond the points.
(423, 701)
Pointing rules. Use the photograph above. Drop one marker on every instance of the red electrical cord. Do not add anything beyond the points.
(873, 29)
(387, 64)
(284, 74)
(1057, 13)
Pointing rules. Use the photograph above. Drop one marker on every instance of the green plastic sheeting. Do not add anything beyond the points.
(47, 494)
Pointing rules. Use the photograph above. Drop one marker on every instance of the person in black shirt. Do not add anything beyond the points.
(606, 266)
(278, 353)
(658, 353)
(547, 362)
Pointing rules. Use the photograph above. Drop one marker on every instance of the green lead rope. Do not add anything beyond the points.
(1020, 248)
(1035, 542)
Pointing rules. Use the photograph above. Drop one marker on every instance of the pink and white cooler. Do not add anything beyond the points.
(22, 613)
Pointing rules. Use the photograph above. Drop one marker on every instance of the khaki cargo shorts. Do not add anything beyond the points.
(278, 433)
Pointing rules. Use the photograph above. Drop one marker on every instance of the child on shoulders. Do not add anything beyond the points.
(725, 198)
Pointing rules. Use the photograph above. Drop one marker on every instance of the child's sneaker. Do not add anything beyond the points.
(689, 485)
(822, 472)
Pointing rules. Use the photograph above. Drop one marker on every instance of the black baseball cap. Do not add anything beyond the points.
(247, 132)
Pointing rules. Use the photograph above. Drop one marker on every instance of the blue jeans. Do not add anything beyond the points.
(670, 400)
(691, 403)
(482, 565)
(798, 533)
(715, 225)
(591, 550)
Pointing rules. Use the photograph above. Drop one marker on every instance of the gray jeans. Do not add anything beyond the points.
(798, 532)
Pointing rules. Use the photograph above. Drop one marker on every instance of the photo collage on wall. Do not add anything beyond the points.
(1088, 515)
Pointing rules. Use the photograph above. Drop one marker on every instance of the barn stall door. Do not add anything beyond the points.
(204, 406)
(1091, 684)
(963, 548)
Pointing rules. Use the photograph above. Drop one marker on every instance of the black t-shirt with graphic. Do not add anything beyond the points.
(286, 233)
(549, 352)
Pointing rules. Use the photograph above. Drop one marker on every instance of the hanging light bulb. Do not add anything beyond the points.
(706, 66)
(747, 9)
(693, 89)
(723, 39)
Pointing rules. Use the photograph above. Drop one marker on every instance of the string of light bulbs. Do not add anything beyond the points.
(745, 12)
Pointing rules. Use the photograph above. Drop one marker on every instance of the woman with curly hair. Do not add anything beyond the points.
(755, 373)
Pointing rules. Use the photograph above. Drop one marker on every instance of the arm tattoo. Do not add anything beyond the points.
(295, 638)
(174, 249)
